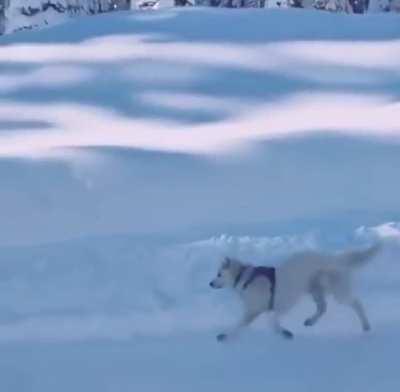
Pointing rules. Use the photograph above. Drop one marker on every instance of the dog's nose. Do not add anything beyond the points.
(211, 284)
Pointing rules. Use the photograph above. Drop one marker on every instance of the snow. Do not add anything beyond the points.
(138, 148)
(17, 20)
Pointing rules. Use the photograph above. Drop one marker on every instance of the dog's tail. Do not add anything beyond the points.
(359, 258)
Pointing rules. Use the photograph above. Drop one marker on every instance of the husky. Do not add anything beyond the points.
(277, 290)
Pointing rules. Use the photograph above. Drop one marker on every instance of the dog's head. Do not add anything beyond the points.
(226, 274)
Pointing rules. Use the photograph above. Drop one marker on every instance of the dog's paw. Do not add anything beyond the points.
(309, 322)
(222, 337)
(366, 328)
(287, 334)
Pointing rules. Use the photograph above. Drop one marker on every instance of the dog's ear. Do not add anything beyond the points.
(227, 262)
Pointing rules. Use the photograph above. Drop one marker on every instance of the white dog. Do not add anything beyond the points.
(277, 290)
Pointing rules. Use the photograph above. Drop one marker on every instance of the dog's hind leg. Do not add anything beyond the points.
(342, 292)
(358, 308)
(318, 295)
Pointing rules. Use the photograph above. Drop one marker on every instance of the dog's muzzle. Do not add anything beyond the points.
(215, 285)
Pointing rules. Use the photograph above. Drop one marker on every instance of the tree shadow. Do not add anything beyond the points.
(11, 126)
(127, 83)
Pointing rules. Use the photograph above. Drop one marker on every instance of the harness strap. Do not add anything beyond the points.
(239, 276)
(267, 272)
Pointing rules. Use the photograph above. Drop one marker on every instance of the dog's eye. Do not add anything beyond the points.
(219, 274)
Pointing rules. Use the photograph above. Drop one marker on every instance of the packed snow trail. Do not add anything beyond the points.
(197, 363)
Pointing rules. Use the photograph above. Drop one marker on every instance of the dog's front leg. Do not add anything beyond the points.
(246, 320)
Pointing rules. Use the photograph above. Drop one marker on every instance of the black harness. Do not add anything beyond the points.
(266, 272)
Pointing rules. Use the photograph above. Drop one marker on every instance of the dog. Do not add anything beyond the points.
(277, 290)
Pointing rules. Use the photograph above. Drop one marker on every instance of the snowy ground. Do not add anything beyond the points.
(138, 148)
